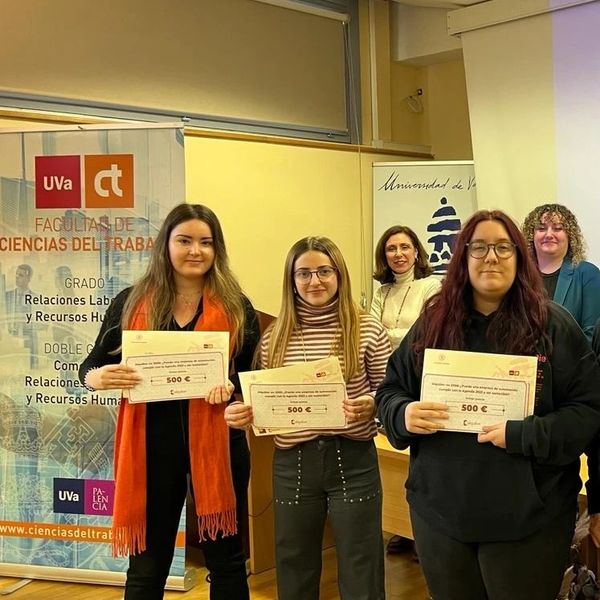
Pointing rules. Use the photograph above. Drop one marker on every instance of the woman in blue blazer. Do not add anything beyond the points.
(557, 245)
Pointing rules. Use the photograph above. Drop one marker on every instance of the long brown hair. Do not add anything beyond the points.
(348, 312)
(519, 322)
(383, 273)
(157, 285)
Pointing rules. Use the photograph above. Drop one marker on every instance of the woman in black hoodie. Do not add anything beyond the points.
(493, 513)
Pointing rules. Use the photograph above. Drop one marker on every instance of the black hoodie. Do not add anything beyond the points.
(478, 492)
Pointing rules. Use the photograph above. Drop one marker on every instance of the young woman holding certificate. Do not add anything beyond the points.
(326, 473)
(493, 512)
(188, 286)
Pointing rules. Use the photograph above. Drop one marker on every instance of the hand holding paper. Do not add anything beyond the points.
(424, 417)
(307, 395)
(112, 377)
(495, 434)
(359, 409)
(220, 393)
(174, 365)
(238, 415)
(479, 389)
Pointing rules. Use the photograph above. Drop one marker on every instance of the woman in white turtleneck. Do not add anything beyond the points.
(402, 268)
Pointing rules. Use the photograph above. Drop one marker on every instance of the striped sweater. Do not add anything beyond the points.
(314, 339)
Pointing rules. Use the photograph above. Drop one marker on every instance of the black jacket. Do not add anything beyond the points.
(109, 341)
(478, 492)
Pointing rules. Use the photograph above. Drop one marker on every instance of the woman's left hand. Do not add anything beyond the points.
(496, 434)
(220, 393)
(359, 409)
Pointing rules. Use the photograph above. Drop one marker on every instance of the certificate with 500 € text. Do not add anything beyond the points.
(175, 365)
(479, 388)
(307, 395)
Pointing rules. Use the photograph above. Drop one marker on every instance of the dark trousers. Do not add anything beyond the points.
(527, 569)
(167, 481)
(335, 478)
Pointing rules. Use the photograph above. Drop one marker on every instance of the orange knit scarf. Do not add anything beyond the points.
(209, 457)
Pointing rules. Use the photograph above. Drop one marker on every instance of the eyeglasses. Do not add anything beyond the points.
(481, 249)
(322, 273)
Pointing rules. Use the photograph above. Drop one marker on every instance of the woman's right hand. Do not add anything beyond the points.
(112, 377)
(419, 416)
(238, 415)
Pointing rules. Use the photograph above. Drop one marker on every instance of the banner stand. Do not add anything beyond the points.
(80, 208)
(13, 587)
(30, 572)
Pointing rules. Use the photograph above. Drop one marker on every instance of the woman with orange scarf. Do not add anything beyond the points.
(188, 286)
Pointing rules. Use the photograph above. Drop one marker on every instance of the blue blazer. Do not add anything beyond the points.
(578, 290)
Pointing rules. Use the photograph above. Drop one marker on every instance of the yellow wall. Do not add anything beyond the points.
(447, 111)
(268, 196)
(407, 127)
(444, 122)
(382, 36)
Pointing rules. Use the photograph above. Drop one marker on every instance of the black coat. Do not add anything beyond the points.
(478, 492)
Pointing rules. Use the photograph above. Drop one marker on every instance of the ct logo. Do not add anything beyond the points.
(113, 174)
(108, 180)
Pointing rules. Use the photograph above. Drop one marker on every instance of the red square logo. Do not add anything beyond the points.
(57, 182)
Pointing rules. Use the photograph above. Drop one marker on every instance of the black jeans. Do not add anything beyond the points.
(167, 480)
(333, 478)
(527, 569)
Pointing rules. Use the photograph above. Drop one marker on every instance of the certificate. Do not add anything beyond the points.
(308, 395)
(479, 388)
(175, 365)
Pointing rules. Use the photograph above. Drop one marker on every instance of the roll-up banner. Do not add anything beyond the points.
(81, 208)
(433, 198)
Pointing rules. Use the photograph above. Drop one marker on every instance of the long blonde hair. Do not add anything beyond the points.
(348, 312)
(157, 286)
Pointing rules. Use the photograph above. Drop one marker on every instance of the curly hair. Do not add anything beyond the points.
(576, 249)
(383, 273)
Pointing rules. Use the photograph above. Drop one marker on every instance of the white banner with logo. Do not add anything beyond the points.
(80, 211)
(432, 198)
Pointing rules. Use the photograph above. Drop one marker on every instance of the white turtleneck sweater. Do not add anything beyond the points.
(320, 326)
(397, 305)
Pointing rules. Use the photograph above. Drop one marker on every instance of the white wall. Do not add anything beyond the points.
(419, 34)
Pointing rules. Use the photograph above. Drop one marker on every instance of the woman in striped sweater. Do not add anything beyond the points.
(326, 473)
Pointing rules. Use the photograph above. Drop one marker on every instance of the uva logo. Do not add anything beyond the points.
(101, 180)
(84, 496)
(68, 496)
(55, 182)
